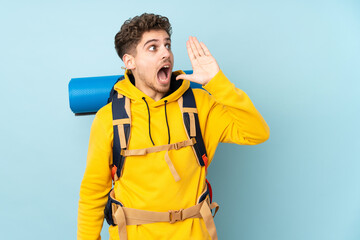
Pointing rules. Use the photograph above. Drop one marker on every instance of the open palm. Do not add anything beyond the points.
(203, 63)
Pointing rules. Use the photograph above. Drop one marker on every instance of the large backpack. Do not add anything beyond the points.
(122, 127)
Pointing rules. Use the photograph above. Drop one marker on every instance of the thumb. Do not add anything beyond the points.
(186, 77)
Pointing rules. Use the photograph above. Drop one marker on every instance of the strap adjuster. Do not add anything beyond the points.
(175, 215)
(178, 145)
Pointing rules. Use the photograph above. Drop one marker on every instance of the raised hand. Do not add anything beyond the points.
(203, 63)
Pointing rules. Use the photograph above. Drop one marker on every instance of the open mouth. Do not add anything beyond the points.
(164, 74)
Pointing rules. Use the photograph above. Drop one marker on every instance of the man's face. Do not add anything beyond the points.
(153, 63)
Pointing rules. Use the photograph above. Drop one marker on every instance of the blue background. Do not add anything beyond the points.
(297, 60)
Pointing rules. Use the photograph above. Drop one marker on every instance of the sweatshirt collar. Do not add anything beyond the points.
(127, 88)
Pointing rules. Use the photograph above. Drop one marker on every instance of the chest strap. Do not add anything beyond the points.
(167, 148)
(123, 216)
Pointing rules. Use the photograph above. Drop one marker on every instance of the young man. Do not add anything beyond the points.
(163, 180)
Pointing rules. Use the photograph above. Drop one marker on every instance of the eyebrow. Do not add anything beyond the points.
(156, 40)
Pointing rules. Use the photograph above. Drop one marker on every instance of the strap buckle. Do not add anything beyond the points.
(175, 215)
(178, 145)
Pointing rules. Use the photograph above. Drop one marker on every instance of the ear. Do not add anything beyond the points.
(129, 61)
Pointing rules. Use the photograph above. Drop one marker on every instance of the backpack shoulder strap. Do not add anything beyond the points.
(113, 91)
(121, 127)
(191, 122)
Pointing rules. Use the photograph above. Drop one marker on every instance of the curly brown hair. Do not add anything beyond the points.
(132, 30)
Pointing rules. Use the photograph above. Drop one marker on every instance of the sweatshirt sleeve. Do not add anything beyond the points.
(231, 117)
(96, 182)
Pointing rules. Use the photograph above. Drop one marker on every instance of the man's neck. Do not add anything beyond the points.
(149, 92)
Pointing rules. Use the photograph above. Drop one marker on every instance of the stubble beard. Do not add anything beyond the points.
(162, 90)
(157, 89)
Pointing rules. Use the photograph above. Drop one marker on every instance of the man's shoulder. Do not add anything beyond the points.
(203, 99)
(201, 95)
(200, 92)
(104, 114)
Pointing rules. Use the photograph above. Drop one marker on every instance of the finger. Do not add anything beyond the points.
(198, 47)
(206, 50)
(190, 52)
(193, 48)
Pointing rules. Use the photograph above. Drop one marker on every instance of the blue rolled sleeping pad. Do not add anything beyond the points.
(87, 95)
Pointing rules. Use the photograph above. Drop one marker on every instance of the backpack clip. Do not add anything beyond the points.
(175, 215)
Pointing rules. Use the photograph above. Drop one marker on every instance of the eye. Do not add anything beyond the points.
(168, 46)
(152, 48)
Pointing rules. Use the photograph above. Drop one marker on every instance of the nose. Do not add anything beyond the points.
(166, 53)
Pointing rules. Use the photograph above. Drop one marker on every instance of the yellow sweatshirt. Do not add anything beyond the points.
(227, 115)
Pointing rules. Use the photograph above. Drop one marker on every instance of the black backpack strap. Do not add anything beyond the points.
(191, 122)
(113, 92)
(121, 126)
